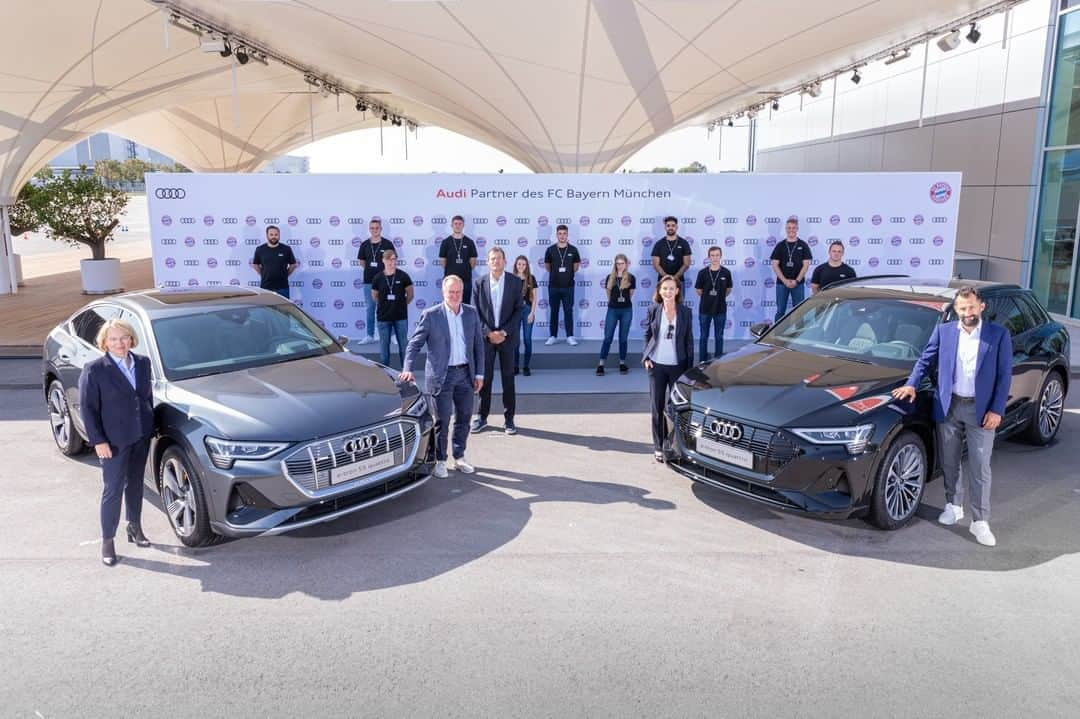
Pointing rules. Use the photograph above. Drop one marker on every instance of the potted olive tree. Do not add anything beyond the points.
(22, 218)
(78, 208)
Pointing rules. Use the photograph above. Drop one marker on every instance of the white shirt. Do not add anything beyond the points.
(967, 358)
(665, 352)
(458, 354)
(497, 295)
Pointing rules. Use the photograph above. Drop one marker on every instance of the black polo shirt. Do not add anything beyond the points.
(561, 260)
(671, 254)
(791, 256)
(714, 287)
(617, 292)
(825, 274)
(371, 253)
(392, 306)
(275, 263)
(457, 254)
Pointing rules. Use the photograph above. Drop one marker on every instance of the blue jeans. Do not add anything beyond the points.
(370, 326)
(622, 318)
(526, 337)
(796, 293)
(565, 297)
(283, 291)
(399, 328)
(455, 398)
(717, 322)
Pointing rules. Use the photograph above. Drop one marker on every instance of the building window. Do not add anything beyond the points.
(1055, 237)
(1064, 126)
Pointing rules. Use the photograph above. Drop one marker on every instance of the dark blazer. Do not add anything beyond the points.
(684, 333)
(512, 301)
(993, 369)
(433, 332)
(111, 410)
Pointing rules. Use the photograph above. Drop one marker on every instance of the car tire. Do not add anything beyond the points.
(899, 482)
(67, 438)
(1047, 411)
(184, 499)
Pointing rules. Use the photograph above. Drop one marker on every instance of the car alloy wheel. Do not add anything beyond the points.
(59, 416)
(1051, 406)
(904, 482)
(178, 496)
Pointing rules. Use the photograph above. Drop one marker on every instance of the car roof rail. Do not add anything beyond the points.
(849, 280)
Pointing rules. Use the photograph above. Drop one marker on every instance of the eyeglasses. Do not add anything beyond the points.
(670, 332)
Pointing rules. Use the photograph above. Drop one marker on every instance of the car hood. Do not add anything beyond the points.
(290, 401)
(780, 387)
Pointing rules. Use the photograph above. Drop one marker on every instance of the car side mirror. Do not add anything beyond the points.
(343, 340)
(759, 328)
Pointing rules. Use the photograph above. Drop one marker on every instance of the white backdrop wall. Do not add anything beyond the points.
(205, 227)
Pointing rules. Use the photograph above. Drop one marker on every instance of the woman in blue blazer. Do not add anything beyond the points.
(117, 409)
(669, 350)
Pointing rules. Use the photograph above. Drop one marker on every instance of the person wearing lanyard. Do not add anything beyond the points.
(530, 297)
(713, 286)
(620, 287)
(671, 253)
(832, 271)
(458, 255)
(370, 257)
(562, 260)
(669, 351)
(117, 408)
(392, 291)
(274, 262)
(498, 300)
(790, 263)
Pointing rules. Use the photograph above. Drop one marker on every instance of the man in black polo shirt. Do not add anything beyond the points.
(790, 263)
(671, 253)
(457, 255)
(833, 270)
(713, 286)
(392, 292)
(370, 257)
(562, 260)
(274, 262)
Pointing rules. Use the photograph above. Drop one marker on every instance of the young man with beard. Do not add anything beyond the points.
(274, 262)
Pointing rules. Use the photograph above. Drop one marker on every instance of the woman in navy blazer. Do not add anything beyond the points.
(117, 409)
(669, 350)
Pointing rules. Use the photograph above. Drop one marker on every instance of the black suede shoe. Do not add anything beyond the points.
(623, 369)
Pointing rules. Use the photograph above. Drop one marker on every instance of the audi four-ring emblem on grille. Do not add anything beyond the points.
(726, 430)
(170, 193)
(361, 444)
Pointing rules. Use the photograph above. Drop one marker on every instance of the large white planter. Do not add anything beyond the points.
(100, 277)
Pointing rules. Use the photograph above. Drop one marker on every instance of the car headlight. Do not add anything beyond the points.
(223, 452)
(418, 408)
(680, 395)
(854, 438)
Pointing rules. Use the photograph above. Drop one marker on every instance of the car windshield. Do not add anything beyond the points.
(237, 338)
(882, 331)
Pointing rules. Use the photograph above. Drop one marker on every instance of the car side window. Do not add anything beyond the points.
(140, 332)
(1004, 311)
(87, 323)
(1035, 313)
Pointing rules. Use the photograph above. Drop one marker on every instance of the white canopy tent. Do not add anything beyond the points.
(560, 85)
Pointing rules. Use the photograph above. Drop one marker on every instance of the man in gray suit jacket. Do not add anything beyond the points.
(455, 368)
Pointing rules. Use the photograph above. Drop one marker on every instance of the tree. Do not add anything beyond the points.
(109, 170)
(662, 169)
(134, 169)
(78, 209)
(22, 216)
(694, 166)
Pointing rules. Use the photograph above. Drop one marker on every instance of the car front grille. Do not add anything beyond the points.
(309, 465)
(772, 449)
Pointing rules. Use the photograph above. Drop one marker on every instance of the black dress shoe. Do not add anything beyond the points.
(623, 369)
(108, 553)
(599, 370)
(136, 536)
(527, 372)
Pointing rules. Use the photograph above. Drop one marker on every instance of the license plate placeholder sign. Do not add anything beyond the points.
(359, 469)
(725, 452)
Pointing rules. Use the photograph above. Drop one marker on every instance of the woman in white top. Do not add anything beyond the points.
(669, 351)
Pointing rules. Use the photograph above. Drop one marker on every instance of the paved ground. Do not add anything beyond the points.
(571, 577)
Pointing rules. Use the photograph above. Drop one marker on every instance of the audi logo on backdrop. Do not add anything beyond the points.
(726, 430)
(170, 193)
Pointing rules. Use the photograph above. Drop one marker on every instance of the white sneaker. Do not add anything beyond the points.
(464, 467)
(366, 340)
(551, 341)
(571, 341)
(982, 533)
(951, 515)
(440, 470)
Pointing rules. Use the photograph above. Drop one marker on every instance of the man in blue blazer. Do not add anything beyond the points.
(454, 372)
(974, 372)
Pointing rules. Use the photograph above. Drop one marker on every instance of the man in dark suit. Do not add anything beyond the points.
(117, 410)
(450, 331)
(974, 372)
(498, 299)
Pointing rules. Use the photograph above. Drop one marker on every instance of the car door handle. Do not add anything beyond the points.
(63, 356)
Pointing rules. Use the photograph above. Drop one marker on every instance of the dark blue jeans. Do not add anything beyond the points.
(526, 337)
(717, 322)
(455, 398)
(622, 318)
(565, 297)
(370, 326)
(796, 293)
(399, 329)
(283, 291)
